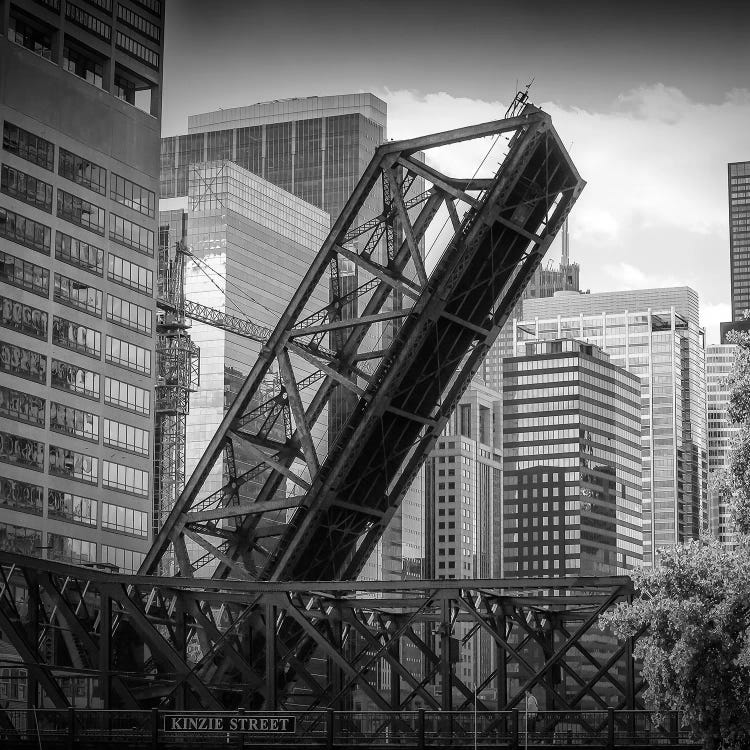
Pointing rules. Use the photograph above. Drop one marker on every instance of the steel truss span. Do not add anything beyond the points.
(383, 364)
(403, 345)
(139, 642)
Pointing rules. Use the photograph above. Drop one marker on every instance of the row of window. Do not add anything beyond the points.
(23, 274)
(70, 464)
(75, 168)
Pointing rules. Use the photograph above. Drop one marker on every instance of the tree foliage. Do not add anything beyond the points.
(695, 652)
(692, 610)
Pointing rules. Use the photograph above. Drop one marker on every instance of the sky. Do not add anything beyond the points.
(652, 99)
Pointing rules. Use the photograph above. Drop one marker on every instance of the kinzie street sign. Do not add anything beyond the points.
(268, 724)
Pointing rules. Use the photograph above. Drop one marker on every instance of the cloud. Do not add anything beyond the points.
(655, 206)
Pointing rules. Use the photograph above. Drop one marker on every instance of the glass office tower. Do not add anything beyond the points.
(315, 148)
(721, 432)
(80, 100)
(655, 334)
(738, 175)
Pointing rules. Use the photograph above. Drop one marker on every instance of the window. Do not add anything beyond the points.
(138, 22)
(83, 63)
(82, 171)
(127, 396)
(130, 274)
(78, 294)
(137, 50)
(125, 520)
(79, 338)
(23, 363)
(72, 421)
(73, 508)
(125, 559)
(78, 211)
(21, 451)
(130, 234)
(86, 21)
(125, 354)
(125, 478)
(72, 465)
(30, 33)
(132, 195)
(26, 232)
(28, 146)
(24, 275)
(24, 187)
(22, 407)
(125, 436)
(24, 318)
(22, 496)
(153, 5)
(20, 539)
(70, 549)
(79, 253)
(66, 377)
(128, 314)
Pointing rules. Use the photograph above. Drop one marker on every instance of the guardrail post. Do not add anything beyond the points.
(329, 728)
(611, 728)
(71, 727)
(674, 732)
(420, 729)
(154, 728)
(514, 729)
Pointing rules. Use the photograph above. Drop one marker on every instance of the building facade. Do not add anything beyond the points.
(721, 433)
(80, 99)
(654, 334)
(738, 177)
(572, 462)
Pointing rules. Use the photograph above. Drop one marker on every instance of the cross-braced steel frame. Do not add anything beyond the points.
(144, 641)
(292, 509)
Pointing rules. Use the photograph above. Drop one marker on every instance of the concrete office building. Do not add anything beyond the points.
(315, 148)
(738, 176)
(721, 432)
(654, 334)
(463, 497)
(80, 99)
(572, 462)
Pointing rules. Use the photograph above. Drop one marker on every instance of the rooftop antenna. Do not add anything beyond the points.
(519, 100)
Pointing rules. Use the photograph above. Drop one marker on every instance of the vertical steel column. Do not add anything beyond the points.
(446, 667)
(270, 646)
(105, 649)
(32, 691)
(394, 650)
(181, 637)
(501, 673)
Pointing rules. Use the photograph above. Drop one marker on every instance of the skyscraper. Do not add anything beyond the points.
(80, 102)
(738, 175)
(719, 360)
(655, 334)
(315, 148)
(572, 462)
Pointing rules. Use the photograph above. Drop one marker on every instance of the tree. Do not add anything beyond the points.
(693, 607)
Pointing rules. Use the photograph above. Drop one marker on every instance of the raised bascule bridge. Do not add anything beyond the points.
(248, 597)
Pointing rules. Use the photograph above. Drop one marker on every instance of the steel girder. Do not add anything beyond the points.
(146, 641)
(290, 510)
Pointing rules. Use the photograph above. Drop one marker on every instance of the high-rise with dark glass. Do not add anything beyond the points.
(80, 101)
(656, 335)
(738, 175)
(572, 462)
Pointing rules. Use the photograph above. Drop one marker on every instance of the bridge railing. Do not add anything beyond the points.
(607, 729)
